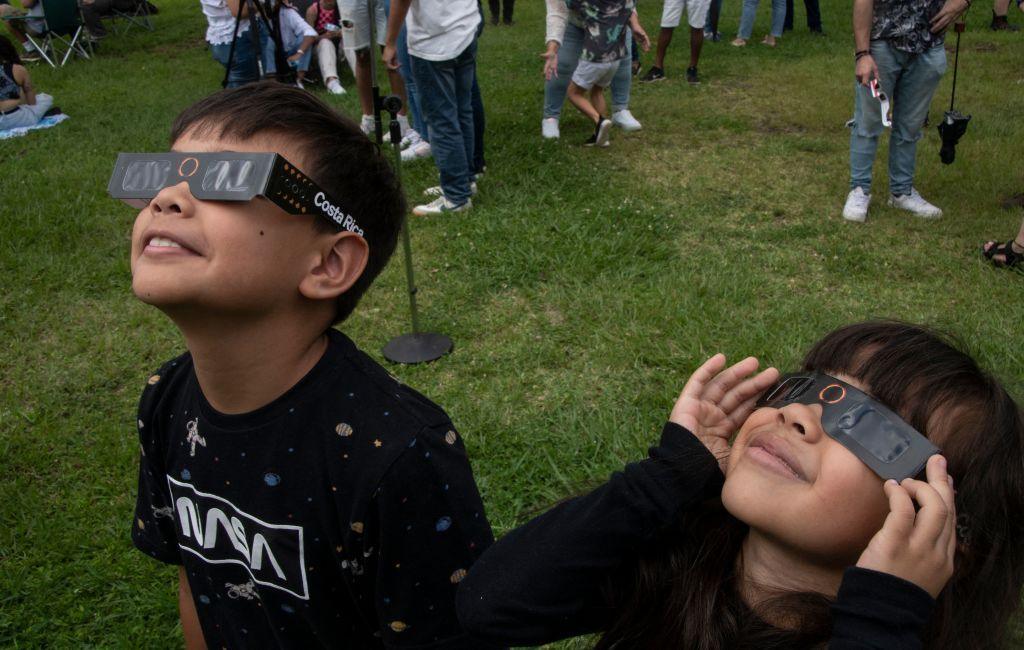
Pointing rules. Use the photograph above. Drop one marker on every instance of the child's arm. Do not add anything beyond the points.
(543, 581)
(638, 31)
(23, 79)
(189, 618)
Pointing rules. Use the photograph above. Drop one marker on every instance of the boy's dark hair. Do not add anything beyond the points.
(8, 53)
(341, 158)
(683, 590)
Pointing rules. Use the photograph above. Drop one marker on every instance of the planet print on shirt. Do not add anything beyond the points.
(443, 524)
(457, 576)
(344, 430)
(272, 479)
(451, 437)
(398, 626)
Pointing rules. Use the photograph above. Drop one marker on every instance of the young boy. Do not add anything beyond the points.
(605, 24)
(309, 498)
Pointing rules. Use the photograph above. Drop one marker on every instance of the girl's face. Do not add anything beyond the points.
(794, 484)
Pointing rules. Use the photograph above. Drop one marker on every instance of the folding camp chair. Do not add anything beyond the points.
(137, 14)
(62, 24)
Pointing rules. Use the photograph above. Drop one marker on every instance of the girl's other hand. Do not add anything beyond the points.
(917, 546)
(550, 57)
(716, 401)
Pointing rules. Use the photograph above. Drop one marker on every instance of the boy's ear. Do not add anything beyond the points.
(341, 261)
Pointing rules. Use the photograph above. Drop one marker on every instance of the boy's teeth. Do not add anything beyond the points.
(161, 242)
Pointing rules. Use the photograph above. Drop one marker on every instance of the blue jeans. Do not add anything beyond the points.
(568, 57)
(411, 89)
(267, 54)
(910, 81)
(750, 12)
(243, 66)
(479, 122)
(446, 93)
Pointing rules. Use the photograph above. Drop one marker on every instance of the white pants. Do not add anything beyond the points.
(26, 114)
(327, 58)
(696, 12)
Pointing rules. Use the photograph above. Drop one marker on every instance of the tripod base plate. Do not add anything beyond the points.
(417, 348)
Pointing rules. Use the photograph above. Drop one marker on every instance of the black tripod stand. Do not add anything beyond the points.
(418, 346)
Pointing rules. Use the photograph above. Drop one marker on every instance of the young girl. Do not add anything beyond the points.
(798, 544)
(20, 105)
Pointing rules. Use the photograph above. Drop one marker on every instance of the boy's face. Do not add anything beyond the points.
(242, 258)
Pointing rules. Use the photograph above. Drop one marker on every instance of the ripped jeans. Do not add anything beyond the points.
(910, 81)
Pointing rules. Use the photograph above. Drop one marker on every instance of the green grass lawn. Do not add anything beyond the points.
(580, 291)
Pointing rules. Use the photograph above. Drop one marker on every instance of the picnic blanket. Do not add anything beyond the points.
(44, 123)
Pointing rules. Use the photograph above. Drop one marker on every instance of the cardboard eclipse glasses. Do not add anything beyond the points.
(226, 176)
(877, 437)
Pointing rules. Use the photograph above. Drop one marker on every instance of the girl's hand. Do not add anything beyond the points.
(716, 401)
(917, 546)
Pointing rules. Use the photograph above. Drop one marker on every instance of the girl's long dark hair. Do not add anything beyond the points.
(682, 592)
(8, 53)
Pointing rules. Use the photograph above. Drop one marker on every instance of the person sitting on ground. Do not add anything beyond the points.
(29, 22)
(306, 497)
(297, 40)
(20, 104)
(604, 50)
(323, 16)
(1009, 255)
(762, 524)
(564, 38)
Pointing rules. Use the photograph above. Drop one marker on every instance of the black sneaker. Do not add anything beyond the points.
(691, 77)
(1001, 24)
(654, 74)
(601, 135)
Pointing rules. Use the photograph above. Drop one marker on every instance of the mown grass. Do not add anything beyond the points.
(580, 291)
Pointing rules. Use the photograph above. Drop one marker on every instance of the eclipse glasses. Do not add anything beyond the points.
(878, 437)
(226, 176)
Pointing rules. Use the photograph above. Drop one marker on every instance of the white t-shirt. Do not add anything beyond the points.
(439, 30)
(220, 22)
(294, 28)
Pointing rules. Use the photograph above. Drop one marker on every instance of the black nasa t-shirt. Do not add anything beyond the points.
(342, 515)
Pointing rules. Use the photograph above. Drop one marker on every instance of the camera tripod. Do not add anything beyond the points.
(260, 12)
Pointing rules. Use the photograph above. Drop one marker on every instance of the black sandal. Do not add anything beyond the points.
(1011, 258)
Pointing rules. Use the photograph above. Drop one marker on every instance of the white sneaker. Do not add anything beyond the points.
(549, 128)
(334, 87)
(298, 84)
(625, 120)
(441, 205)
(915, 203)
(418, 151)
(437, 191)
(366, 125)
(856, 208)
(410, 139)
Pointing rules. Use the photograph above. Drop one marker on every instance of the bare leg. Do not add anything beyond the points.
(696, 42)
(1000, 7)
(364, 85)
(398, 88)
(597, 100)
(578, 98)
(13, 25)
(664, 39)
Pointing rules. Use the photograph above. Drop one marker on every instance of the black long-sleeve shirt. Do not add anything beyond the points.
(543, 581)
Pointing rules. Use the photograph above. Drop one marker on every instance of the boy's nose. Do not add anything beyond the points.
(175, 200)
(803, 419)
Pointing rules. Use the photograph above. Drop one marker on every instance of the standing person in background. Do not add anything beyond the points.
(899, 46)
(813, 17)
(711, 32)
(324, 18)
(442, 40)
(1000, 22)
(20, 105)
(672, 11)
(355, 36)
(564, 45)
(415, 143)
(501, 9)
(747, 23)
(220, 31)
